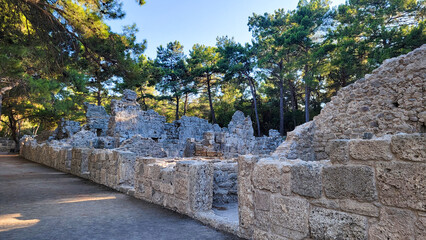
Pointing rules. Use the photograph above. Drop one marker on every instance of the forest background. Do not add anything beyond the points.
(57, 54)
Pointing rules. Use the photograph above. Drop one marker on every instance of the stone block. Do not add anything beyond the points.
(201, 186)
(184, 166)
(420, 227)
(158, 198)
(410, 147)
(402, 184)
(306, 179)
(267, 176)
(280, 232)
(143, 189)
(153, 171)
(245, 192)
(367, 209)
(246, 216)
(262, 219)
(181, 186)
(262, 200)
(262, 235)
(291, 213)
(331, 224)
(182, 206)
(349, 182)
(167, 188)
(338, 151)
(370, 150)
(246, 164)
(394, 224)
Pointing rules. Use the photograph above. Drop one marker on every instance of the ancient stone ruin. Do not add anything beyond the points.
(357, 171)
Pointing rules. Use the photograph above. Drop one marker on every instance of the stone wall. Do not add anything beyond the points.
(6, 145)
(237, 139)
(66, 129)
(96, 119)
(369, 189)
(390, 100)
(225, 182)
(185, 186)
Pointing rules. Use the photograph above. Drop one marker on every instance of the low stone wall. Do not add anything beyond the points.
(369, 189)
(6, 145)
(185, 186)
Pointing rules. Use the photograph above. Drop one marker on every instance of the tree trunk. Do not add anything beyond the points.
(177, 108)
(293, 94)
(14, 129)
(307, 96)
(281, 85)
(185, 106)
(99, 97)
(4, 90)
(144, 106)
(1, 103)
(293, 98)
(210, 100)
(253, 92)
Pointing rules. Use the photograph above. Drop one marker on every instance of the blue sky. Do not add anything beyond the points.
(194, 21)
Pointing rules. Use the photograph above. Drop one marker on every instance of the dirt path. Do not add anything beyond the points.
(37, 202)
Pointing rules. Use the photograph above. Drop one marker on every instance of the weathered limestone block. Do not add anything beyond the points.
(306, 179)
(262, 200)
(241, 126)
(143, 189)
(402, 184)
(245, 192)
(352, 182)
(410, 147)
(262, 219)
(66, 129)
(181, 186)
(127, 119)
(83, 139)
(97, 119)
(394, 224)
(80, 161)
(200, 185)
(338, 151)
(289, 217)
(370, 150)
(262, 235)
(126, 167)
(298, 143)
(272, 176)
(167, 180)
(143, 147)
(361, 208)
(330, 224)
(193, 127)
(129, 95)
(420, 227)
